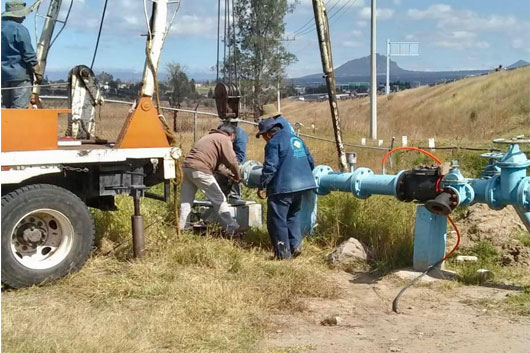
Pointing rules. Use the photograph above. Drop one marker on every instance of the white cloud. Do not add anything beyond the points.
(463, 35)
(467, 44)
(434, 11)
(194, 25)
(351, 44)
(411, 37)
(362, 24)
(396, 2)
(356, 33)
(450, 19)
(382, 14)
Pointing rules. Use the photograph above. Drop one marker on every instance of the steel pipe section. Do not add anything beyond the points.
(362, 182)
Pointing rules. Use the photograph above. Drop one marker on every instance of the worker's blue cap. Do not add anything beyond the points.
(265, 125)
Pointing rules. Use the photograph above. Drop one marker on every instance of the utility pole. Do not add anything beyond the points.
(387, 89)
(321, 21)
(373, 87)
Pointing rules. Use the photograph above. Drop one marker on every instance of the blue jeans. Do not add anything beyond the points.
(16, 98)
(283, 223)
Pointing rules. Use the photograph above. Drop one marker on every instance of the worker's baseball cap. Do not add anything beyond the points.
(15, 8)
(265, 125)
(268, 111)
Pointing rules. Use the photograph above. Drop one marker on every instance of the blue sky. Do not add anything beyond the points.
(453, 35)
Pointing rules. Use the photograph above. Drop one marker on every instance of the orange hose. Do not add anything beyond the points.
(417, 149)
(457, 239)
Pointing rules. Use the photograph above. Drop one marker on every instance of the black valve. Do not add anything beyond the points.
(418, 184)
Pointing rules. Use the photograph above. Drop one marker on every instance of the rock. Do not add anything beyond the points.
(331, 321)
(395, 349)
(463, 258)
(484, 275)
(351, 251)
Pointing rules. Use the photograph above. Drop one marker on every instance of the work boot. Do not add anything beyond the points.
(237, 233)
(297, 252)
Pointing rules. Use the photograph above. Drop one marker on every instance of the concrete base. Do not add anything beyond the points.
(247, 215)
(436, 274)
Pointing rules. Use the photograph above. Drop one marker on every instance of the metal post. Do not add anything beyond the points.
(430, 234)
(373, 87)
(137, 223)
(321, 21)
(46, 36)
(387, 90)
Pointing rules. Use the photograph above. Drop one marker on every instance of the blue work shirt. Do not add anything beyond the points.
(18, 56)
(288, 165)
(240, 145)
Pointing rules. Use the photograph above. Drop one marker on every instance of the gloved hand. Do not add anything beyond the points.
(37, 71)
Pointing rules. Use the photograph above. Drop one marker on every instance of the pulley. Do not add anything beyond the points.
(227, 98)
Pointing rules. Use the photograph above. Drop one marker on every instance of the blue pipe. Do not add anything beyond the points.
(362, 182)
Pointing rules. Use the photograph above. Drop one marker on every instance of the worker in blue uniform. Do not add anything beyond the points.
(19, 62)
(286, 176)
(232, 190)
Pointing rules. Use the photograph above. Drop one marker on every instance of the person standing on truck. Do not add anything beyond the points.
(286, 176)
(19, 61)
(212, 153)
(230, 189)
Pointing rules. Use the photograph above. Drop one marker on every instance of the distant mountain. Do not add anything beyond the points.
(519, 63)
(361, 67)
(358, 70)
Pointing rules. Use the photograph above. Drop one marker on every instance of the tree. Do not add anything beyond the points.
(261, 56)
(105, 78)
(178, 84)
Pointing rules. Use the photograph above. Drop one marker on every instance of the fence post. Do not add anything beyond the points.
(195, 127)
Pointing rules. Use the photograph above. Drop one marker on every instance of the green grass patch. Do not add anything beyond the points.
(520, 303)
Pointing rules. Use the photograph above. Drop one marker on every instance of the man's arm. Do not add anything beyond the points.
(228, 157)
(240, 145)
(272, 159)
(23, 44)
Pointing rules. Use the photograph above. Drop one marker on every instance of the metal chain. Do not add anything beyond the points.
(73, 169)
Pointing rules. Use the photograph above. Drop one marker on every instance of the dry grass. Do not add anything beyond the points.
(190, 294)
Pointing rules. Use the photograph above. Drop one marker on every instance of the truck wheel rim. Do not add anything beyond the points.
(42, 239)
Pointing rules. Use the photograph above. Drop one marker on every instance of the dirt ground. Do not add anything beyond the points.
(440, 317)
(498, 227)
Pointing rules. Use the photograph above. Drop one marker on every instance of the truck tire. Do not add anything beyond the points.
(47, 232)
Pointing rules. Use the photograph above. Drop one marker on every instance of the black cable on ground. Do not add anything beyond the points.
(99, 34)
(396, 299)
(439, 262)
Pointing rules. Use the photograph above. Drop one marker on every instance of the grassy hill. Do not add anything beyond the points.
(476, 108)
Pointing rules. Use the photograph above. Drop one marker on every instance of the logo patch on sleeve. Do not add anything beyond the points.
(297, 146)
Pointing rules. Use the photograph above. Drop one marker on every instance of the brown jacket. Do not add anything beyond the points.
(212, 153)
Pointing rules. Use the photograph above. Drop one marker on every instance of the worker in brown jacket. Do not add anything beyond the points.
(212, 153)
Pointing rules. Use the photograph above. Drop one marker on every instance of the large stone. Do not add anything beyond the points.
(349, 252)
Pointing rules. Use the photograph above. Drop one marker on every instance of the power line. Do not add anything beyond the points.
(99, 34)
(311, 20)
(331, 16)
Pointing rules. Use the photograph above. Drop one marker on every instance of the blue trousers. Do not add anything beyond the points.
(283, 223)
(16, 98)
